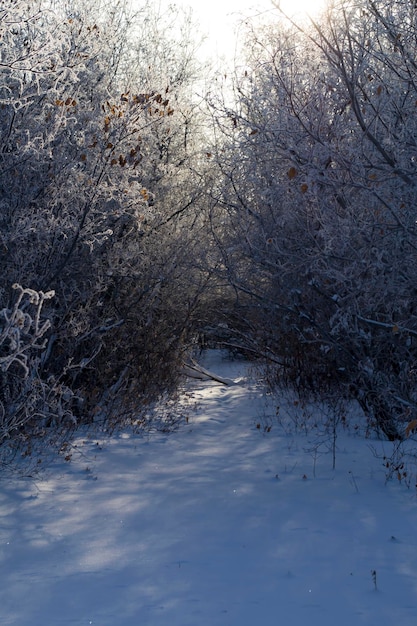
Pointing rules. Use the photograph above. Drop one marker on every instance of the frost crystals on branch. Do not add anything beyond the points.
(22, 332)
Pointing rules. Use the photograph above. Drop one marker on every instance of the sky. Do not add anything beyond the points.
(219, 19)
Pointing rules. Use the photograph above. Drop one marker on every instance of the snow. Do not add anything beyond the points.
(219, 523)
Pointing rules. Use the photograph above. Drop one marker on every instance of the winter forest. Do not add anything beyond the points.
(151, 206)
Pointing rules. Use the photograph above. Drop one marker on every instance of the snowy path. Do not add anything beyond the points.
(196, 529)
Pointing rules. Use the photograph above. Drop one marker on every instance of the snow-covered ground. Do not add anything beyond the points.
(220, 523)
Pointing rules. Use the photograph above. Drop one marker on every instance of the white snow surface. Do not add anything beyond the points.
(219, 523)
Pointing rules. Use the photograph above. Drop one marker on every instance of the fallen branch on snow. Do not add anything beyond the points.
(194, 370)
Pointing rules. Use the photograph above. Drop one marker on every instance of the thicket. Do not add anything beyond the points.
(129, 226)
(318, 161)
(100, 221)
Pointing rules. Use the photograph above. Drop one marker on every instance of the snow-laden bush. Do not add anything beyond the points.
(319, 189)
(28, 402)
(98, 195)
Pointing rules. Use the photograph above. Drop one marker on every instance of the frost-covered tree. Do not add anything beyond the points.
(98, 195)
(319, 170)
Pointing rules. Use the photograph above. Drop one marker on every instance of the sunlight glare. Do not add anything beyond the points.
(294, 8)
